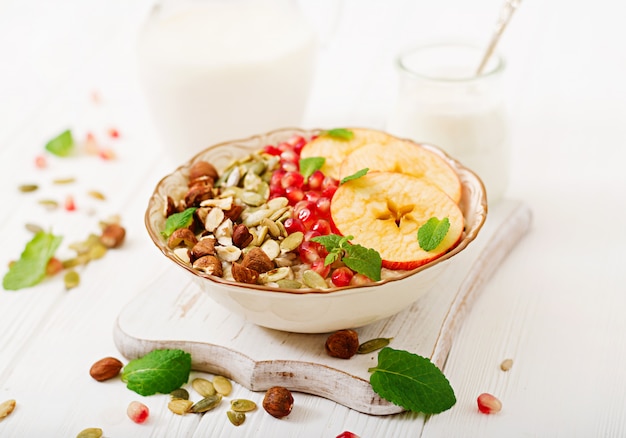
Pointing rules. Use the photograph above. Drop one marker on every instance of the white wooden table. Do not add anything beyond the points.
(555, 305)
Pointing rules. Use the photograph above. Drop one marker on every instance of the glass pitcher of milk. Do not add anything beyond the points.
(441, 101)
(218, 70)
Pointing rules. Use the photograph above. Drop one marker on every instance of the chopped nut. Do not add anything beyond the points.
(228, 253)
(241, 236)
(182, 235)
(342, 344)
(170, 207)
(233, 213)
(113, 235)
(244, 275)
(506, 364)
(197, 194)
(202, 168)
(257, 260)
(213, 219)
(6, 408)
(203, 248)
(209, 264)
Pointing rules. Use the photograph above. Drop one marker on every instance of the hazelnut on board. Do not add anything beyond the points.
(278, 401)
(243, 274)
(257, 260)
(342, 344)
(113, 235)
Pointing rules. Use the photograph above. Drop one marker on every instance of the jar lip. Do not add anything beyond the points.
(495, 64)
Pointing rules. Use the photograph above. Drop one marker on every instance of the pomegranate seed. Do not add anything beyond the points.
(70, 205)
(277, 190)
(95, 97)
(41, 162)
(320, 267)
(488, 404)
(114, 133)
(288, 166)
(342, 276)
(284, 146)
(91, 144)
(138, 412)
(289, 156)
(360, 279)
(293, 225)
(307, 217)
(316, 180)
(329, 181)
(298, 143)
(311, 234)
(106, 154)
(321, 225)
(292, 179)
(294, 195)
(277, 176)
(271, 150)
(54, 266)
(347, 434)
(322, 206)
(302, 205)
(309, 252)
(312, 195)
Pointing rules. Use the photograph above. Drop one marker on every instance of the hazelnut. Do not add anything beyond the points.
(243, 274)
(342, 344)
(209, 264)
(278, 401)
(182, 235)
(106, 369)
(234, 212)
(257, 260)
(204, 247)
(197, 194)
(113, 235)
(170, 207)
(241, 236)
(200, 169)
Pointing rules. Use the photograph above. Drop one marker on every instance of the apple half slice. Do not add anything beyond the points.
(403, 156)
(384, 211)
(335, 150)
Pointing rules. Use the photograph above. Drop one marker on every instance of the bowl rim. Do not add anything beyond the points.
(468, 237)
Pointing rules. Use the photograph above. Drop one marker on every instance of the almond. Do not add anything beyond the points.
(106, 369)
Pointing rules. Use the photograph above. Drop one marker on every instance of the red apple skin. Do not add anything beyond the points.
(409, 266)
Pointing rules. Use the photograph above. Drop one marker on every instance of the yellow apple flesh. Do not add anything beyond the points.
(384, 211)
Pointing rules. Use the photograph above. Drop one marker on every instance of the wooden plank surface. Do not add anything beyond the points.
(172, 312)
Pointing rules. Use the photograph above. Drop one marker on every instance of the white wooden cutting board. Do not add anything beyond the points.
(172, 312)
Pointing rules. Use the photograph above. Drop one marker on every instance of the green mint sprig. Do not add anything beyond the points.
(432, 233)
(178, 220)
(310, 164)
(30, 269)
(355, 175)
(363, 260)
(340, 134)
(62, 145)
(411, 381)
(160, 371)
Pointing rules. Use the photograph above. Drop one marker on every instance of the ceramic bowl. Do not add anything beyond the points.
(313, 311)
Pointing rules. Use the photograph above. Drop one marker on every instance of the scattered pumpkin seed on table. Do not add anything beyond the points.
(203, 387)
(373, 345)
(236, 418)
(222, 385)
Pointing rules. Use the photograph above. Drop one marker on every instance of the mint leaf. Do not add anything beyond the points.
(178, 220)
(411, 381)
(62, 145)
(310, 165)
(159, 371)
(432, 233)
(363, 260)
(30, 269)
(357, 174)
(340, 133)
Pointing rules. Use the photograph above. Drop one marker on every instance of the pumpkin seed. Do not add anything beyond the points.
(252, 198)
(271, 227)
(97, 251)
(179, 406)
(314, 280)
(254, 218)
(237, 418)
(277, 215)
(275, 275)
(91, 432)
(49, 204)
(277, 203)
(373, 345)
(292, 241)
(222, 385)
(252, 181)
(6, 408)
(33, 228)
(180, 393)
(258, 167)
(27, 188)
(289, 284)
(203, 387)
(261, 235)
(63, 180)
(242, 405)
(233, 177)
(71, 280)
(96, 195)
(206, 404)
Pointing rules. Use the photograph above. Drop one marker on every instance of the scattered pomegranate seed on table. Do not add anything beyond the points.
(41, 162)
(488, 404)
(70, 205)
(138, 412)
(347, 434)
